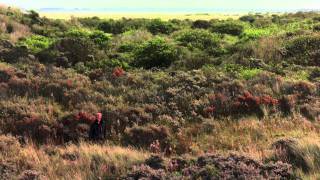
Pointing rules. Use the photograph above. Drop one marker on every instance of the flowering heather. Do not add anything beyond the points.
(118, 72)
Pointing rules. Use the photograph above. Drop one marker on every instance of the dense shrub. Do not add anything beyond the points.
(231, 28)
(35, 17)
(247, 104)
(157, 26)
(201, 24)
(247, 18)
(90, 21)
(69, 51)
(155, 53)
(200, 39)
(316, 19)
(98, 37)
(315, 74)
(112, 26)
(36, 43)
(304, 50)
(316, 27)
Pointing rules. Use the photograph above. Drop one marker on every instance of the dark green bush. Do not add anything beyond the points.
(316, 19)
(315, 74)
(247, 18)
(232, 28)
(201, 24)
(155, 53)
(35, 17)
(69, 51)
(316, 27)
(91, 22)
(157, 26)
(112, 26)
(200, 39)
(304, 50)
(10, 28)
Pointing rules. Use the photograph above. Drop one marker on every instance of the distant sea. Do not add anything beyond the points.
(167, 10)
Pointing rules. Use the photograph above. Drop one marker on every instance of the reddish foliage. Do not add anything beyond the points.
(30, 120)
(69, 83)
(118, 72)
(268, 100)
(248, 103)
(85, 117)
(209, 110)
(247, 100)
(243, 104)
(221, 98)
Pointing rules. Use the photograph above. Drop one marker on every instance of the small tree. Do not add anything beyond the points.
(155, 53)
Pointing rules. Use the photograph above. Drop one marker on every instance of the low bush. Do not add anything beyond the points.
(316, 27)
(249, 73)
(100, 38)
(303, 50)
(155, 53)
(201, 24)
(157, 26)
(200, 39)
(112, 26)
(231, 28)
(248, 18)
(69, 51)
(36, 43)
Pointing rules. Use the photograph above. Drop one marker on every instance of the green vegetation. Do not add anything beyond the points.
(179, 96)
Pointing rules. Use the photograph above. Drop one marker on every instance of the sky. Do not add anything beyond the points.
(172, 4)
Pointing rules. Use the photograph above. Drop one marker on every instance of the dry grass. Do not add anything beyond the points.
(268, 48)
(252, 137)
(19, 30)
(248, 137)
(83, 161)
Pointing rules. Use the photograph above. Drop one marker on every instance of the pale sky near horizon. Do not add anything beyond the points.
(226, 4)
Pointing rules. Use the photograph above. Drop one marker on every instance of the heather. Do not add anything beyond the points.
(183, 99)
